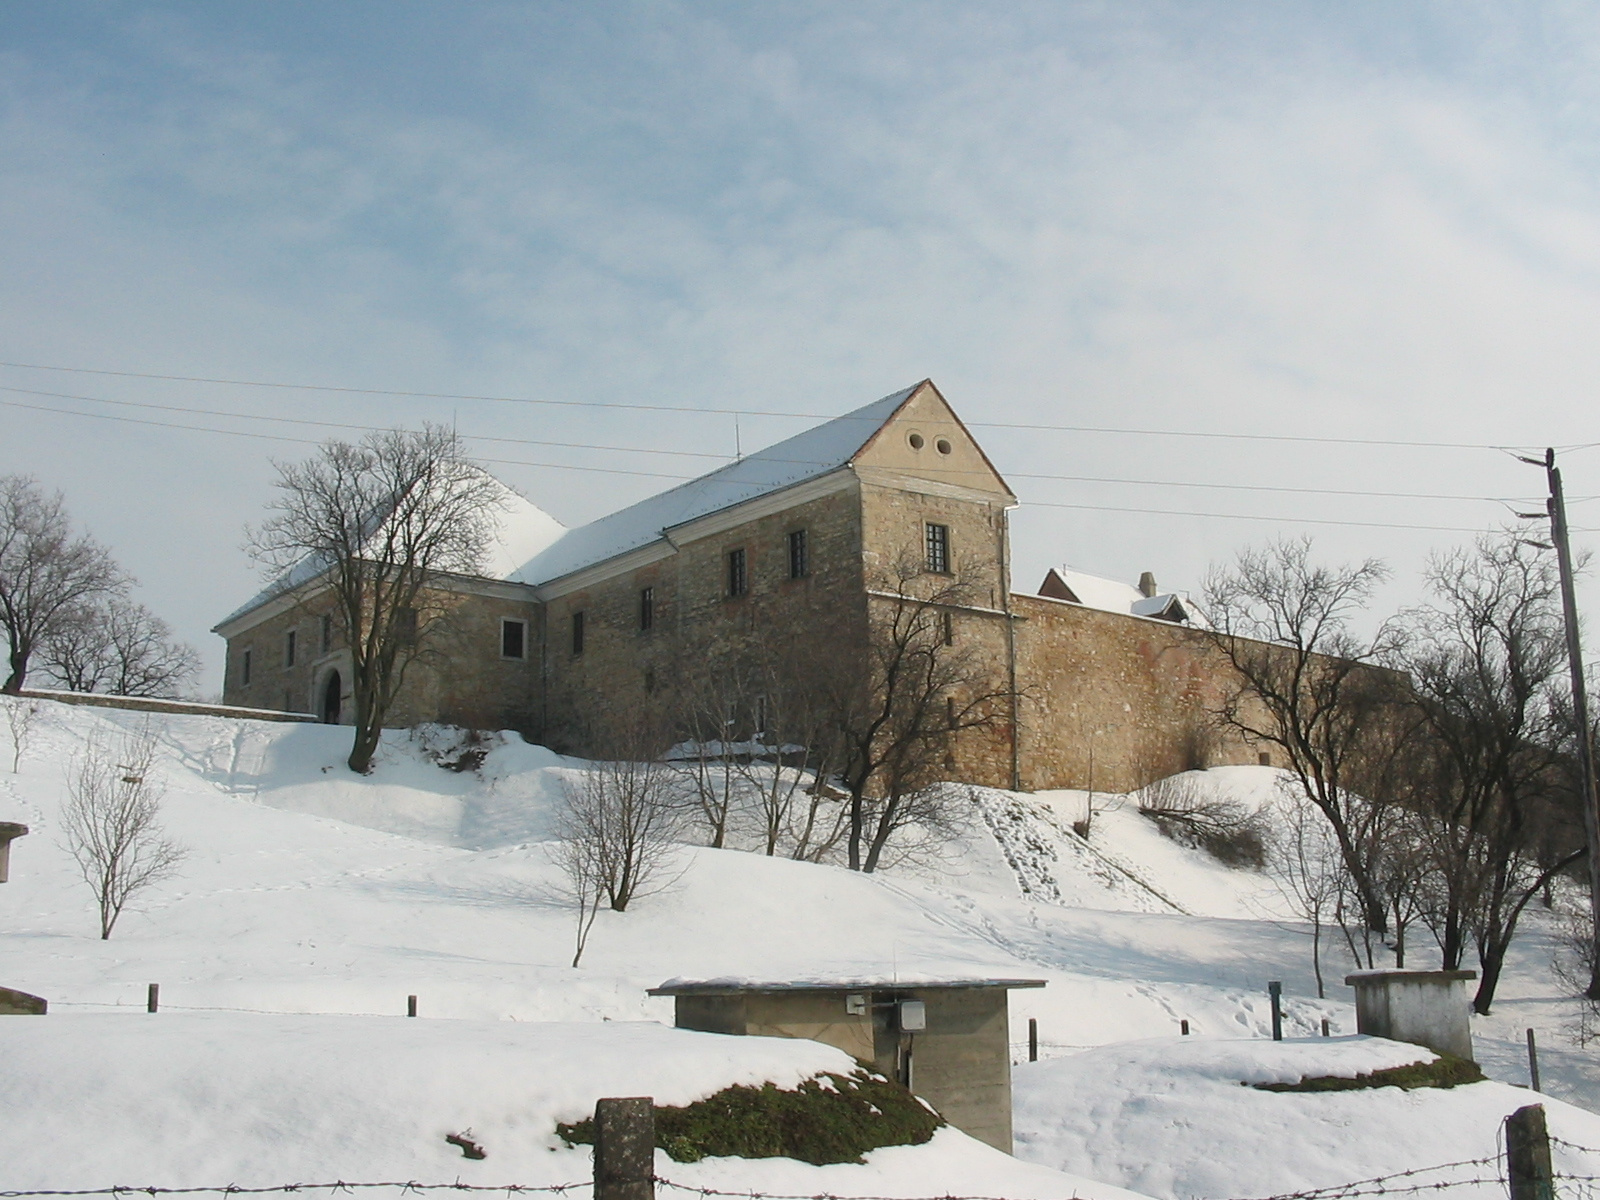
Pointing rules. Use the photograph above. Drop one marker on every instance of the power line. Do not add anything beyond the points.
(1174, 483)
(735, 412)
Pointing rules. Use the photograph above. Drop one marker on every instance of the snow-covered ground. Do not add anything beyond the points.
(311, 891)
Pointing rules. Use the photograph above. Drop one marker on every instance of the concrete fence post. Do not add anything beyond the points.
(1528, 1167)
(625, 1148)
(1033, 1039)
(1275, 994)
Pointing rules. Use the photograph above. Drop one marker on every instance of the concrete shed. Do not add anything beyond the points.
(949, 1041)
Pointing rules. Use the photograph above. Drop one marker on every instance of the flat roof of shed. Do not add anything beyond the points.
(714, 987)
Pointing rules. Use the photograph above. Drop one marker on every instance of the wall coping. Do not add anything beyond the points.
(153, 704)
(1358, 978)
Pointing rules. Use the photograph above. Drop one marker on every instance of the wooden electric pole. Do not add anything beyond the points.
(1556, 505)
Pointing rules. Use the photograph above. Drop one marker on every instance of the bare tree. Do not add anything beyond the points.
(119, 647)
(618, 819)
(1305, 683)
(376, 525)
(580, 861)
(1487, 660)
(111, 823)
(19, 722)
(1304, 862)
(45, 570)
(898, 704)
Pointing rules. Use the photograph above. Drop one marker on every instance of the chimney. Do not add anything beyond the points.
(1147, 584)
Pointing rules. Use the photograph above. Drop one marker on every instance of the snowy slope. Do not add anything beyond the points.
(309, 890)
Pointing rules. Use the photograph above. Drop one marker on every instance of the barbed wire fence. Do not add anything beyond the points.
(624, 1169)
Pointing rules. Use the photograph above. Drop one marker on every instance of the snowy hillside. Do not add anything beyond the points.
(310, 891)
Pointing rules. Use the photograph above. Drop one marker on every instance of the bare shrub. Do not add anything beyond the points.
(1191, 816)
(112, 825)
(19, 721)
(618, 821)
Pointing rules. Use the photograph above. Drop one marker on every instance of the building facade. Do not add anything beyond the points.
(793, 547)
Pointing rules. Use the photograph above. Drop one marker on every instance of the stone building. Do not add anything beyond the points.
(792, 546)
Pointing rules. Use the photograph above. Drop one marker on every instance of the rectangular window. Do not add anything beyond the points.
(290, 640)
(949, 629)
(577, 633)
(327, 632)
(647, 608)
(513, 639)
(938, 539)
(799, 555)
(738, 574)
(950, 711)
(244, 669)
(406, 624)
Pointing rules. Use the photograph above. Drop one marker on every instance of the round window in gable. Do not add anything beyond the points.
(915, 441)
(943, 445)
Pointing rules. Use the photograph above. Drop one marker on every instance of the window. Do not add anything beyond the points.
(950, 712)
(577, 633)
(290, 641)
(513, 638)
(244, 669)
(799, 555)
(647, 608)
(738, 574)
(327, 632)
(405, 624)
(949, 629)
(938, 539)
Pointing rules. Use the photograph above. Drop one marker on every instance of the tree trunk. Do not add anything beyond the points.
(19, 671)
(857, 821)
(1491, 958)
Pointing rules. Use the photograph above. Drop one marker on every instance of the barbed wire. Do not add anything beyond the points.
(1384, 1185)
(338, 1185)
(1564, 1144)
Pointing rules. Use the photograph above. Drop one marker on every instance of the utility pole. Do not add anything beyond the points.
(1556, 507)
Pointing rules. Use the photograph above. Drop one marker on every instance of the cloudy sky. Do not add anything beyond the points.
(1375, 224)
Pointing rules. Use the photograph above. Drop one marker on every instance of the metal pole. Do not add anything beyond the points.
(1557, 506)
(1275, 991)
(1533, 1063)
(411, 1006)
(1033, 1039)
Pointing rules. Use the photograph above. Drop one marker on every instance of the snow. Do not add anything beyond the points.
(807, 455)
(314, 901)
(1168, 1117)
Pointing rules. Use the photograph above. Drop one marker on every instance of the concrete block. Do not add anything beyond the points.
(1426, 1008)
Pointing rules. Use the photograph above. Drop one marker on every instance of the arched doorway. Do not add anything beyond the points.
(332, 693)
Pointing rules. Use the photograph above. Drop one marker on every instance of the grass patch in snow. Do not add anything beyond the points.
(1446, 1071)
(827, 1119)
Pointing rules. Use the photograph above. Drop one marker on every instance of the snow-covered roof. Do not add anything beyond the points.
(1110, 595)
(807, 455)
(866, 983)
(521, 530)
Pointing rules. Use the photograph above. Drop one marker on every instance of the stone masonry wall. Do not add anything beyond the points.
(1113, 702)
(624, 672)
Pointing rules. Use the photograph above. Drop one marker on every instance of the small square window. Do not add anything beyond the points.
(290, 644)
(513, 639)
(577, 633)
(938, 544)
(647, 608)
(738, 573)
(799, 555)
(244, 669)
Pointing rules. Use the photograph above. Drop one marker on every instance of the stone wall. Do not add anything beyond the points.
(1112, 702)
(460, 678)
(625, 676)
